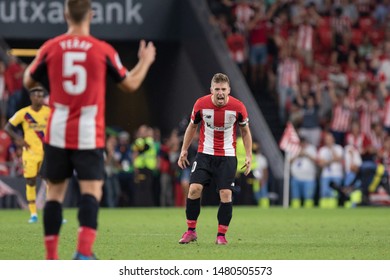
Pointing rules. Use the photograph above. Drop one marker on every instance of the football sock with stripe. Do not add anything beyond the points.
(192, 212)
(225, 213)
(52, 220)
(88, 214)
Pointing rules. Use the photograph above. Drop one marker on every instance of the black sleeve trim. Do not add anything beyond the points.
(197, 118)
(113, 72)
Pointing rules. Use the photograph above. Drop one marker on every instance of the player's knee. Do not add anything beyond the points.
(195, 191)
(225, 195)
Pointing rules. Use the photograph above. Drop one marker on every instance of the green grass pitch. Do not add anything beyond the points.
(254, 234)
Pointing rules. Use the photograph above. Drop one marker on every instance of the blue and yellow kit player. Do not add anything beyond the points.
(33, 120)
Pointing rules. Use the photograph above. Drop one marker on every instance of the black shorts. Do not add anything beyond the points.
(59, 164)
(219, 169)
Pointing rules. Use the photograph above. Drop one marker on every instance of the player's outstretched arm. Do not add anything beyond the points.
(28, 81)
(146, 56)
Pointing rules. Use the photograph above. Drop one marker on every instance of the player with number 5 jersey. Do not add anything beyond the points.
(73, 67)
(76, 67)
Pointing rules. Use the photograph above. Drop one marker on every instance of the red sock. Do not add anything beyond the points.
(222, 229)
(191, 224)
(86, 238)
(51, 245)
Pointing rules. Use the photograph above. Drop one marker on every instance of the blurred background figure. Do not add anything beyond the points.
(304, 175)
(111, 186)
(124, 156)
(145, 164)
(261, 176)
(330, 158)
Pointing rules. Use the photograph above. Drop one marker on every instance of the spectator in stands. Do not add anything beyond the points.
(310, 127)
(352, 163)
(365, 49)
(381, 12)
(124, 155)
(305, 36)
(356, 138)
(242, 11)
(383, 65)
(237, 45)
(258, 29)
(166, 182)
(303, 175)
(341, 115)
(386, 111)
(167, 157)
(350, 11)
(3, 95)
(16, 161)
(330, 158)
(13, 80)
(111, 186)
(384, 154)
(246, 182)
(344, 52)
(368, 110)
(145, 164)
(261, 177)
(288, 79)
(340, 24)
(5, 144)
(378, 136)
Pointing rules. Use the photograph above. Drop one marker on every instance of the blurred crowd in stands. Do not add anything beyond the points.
(11, 95)
(326, 63)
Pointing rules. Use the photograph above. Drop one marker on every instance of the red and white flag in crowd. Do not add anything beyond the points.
(290, 140)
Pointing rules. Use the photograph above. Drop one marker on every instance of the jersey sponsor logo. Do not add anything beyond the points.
(34, 125)
(218, 128)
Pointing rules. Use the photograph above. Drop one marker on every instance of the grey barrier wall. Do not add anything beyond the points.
(116, 19)
(191, 51)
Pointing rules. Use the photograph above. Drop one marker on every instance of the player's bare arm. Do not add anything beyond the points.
(28, 81)
(16, 137)
(247, 139)
(146, 56)
(188, 136)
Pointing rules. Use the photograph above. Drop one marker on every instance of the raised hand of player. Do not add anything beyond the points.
(183, 160)
(147, 52)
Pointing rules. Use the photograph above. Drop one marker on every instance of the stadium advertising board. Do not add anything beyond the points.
(129, 19)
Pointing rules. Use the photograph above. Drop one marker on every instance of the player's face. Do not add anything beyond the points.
(37, 97)
(220, 93)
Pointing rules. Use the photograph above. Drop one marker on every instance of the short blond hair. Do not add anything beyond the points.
(220, 78)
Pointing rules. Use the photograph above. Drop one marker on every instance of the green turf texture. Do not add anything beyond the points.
(254, 234)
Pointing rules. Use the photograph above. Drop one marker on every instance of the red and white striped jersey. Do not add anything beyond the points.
(341, 118)
(360, 141)
(386, 116)
(305, 37)
(218, 125)
(288, 72)
(341, 24)
(76, 68)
